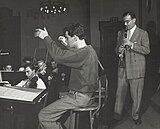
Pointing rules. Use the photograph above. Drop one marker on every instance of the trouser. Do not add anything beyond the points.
(136, 88)
(49, 116)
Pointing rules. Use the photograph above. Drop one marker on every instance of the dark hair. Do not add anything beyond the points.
(75, 29)
(52, 60)
(132, 14)
(31, 66)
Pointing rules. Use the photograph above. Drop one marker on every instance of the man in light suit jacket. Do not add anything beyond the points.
(132, 47)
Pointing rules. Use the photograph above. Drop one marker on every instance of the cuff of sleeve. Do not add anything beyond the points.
(48, 39)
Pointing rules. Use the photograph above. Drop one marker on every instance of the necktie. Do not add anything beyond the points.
(129, 34)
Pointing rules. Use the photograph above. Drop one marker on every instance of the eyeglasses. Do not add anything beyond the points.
(127, 21)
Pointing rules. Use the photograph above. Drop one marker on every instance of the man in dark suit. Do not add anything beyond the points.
(132, 47)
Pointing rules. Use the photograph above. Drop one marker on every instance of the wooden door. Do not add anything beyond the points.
(109, 59)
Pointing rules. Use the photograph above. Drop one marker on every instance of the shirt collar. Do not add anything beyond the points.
(133, 29)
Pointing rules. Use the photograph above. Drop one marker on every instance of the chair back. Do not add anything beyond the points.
(104, 88)
(103, 84)
(102, 92)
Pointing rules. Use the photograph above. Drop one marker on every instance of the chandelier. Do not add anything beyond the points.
(53, 7)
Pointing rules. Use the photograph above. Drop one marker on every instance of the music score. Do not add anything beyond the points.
(18, 93)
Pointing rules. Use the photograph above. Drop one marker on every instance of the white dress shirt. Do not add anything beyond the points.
(129, 35)
(40, 83)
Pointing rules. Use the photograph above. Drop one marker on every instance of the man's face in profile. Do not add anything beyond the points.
(53, 64)
(129, 22)
(71, 41)
(29, 72)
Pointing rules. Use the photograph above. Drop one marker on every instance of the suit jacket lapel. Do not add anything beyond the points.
(135, 33)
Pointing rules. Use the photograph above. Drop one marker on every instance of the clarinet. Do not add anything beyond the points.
(122, 54)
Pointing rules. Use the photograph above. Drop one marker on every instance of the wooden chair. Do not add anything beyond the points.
(101, 94)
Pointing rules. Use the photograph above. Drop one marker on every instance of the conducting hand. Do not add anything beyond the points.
(41, 33)
(62, 39)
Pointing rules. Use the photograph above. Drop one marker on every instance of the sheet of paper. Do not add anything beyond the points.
(18, 94)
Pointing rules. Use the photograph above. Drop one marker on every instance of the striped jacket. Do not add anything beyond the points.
(135, 57)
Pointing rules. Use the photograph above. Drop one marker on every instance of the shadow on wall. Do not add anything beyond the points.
(152, 66)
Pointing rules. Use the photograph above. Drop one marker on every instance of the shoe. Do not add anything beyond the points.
(138, 121)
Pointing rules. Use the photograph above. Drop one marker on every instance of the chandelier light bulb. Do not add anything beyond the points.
(47, 11)
(41, 8)
(64, 9)
(53, 7)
